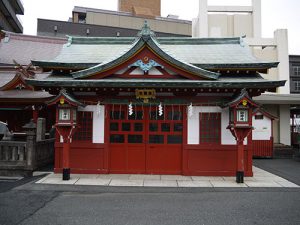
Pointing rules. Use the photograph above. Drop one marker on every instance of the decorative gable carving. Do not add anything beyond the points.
(147, 65)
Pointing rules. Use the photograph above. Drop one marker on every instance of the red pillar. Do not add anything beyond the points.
(240, 162)
(66, 160)
(35, 115)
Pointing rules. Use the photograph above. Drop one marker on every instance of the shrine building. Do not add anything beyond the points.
(149, 105)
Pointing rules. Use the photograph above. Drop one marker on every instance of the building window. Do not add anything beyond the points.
(85, 130)
(297, 85)
(259, 117)
(296, 70)
(210, 128)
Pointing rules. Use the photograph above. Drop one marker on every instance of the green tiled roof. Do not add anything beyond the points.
(149, 41)
(197, 56)
(206, 53)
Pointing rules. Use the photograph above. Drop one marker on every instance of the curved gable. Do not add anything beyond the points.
(145, 54)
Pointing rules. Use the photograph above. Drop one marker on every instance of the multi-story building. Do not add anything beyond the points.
(232, 21)
(123, 23)
(140, 7)
(8, 15)
(295, 73)
(295, 90)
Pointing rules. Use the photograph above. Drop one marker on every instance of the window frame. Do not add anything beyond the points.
(296, 70)
(85, 130)
(297, 85)
(204, 124)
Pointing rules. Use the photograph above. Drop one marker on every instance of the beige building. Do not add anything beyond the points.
(232, 21)
(131, 15)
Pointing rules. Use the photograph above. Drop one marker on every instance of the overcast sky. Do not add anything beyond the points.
(276, 14)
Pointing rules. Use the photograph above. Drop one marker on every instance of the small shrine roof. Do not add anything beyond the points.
(25, 94)
(24, 48)
(69, 97)
(265, 113)
(7, 76)
(238, 98)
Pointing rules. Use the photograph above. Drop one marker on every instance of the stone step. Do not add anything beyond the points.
(284, 151)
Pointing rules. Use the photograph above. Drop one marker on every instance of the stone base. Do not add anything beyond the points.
(240, 177)
(66, 174)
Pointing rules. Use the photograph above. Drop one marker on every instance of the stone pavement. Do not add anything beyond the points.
(260, 178)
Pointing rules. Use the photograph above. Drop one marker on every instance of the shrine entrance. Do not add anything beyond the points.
(145, 142)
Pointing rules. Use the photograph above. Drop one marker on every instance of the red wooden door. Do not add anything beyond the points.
(126, 140)
(164, 141)
(145, 142)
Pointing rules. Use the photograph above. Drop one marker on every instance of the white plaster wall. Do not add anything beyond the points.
(262, 128)
(98, 122)
(274, 110)
(193, 131)
(226, 136)
(284, 124)
(281, 36)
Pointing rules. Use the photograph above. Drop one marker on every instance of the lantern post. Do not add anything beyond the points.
(240, 125)
(66, 125)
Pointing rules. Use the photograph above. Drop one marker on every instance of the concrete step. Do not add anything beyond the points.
(284, 151)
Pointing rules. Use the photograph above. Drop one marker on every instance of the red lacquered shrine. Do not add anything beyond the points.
(152, 105)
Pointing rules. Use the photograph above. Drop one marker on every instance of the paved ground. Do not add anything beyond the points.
(33, 204)
(260, 178)
(30, 203)
(7, 184)
(287, 168)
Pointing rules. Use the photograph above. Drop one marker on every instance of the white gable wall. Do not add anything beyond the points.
(262, 128)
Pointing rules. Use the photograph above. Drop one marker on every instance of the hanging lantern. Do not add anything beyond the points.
(160, 110)
(130, 109)
(98, 109)
(190, 110)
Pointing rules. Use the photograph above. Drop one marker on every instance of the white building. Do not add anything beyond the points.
(233, 21)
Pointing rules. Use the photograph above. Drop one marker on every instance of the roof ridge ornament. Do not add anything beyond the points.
(146, 31)
(26, 71)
